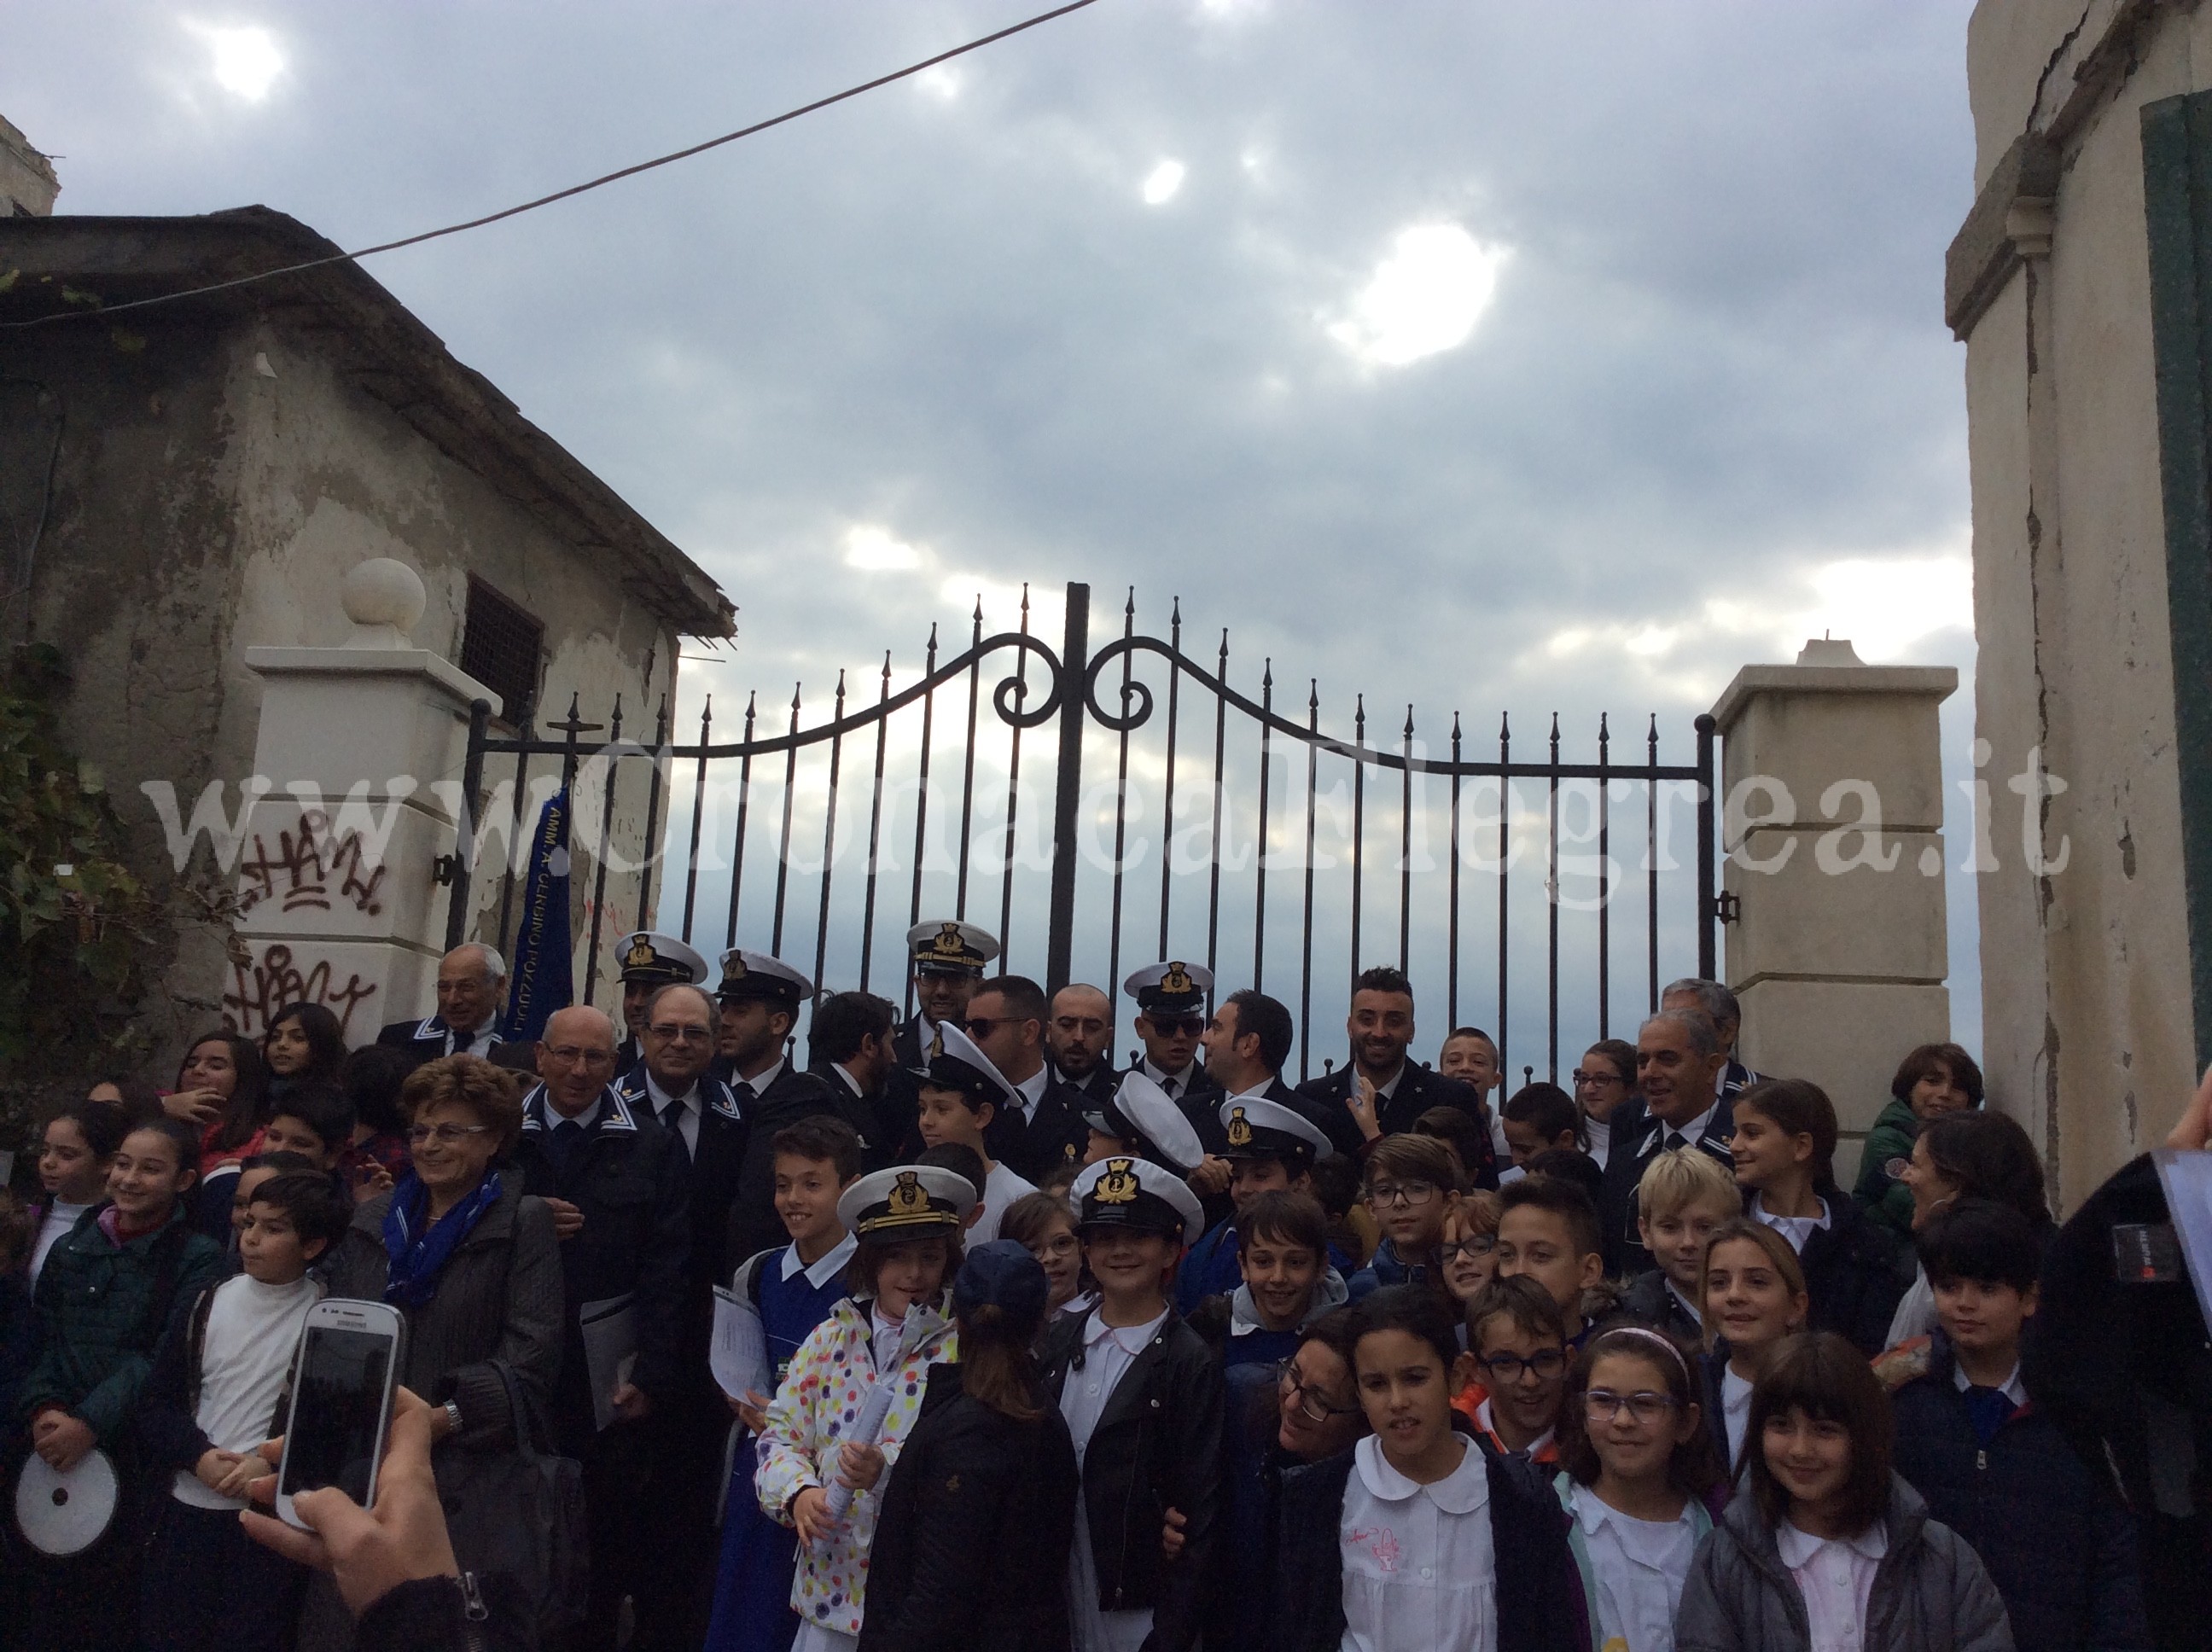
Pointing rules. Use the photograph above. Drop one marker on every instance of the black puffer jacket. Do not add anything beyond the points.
(1855, 1272)
(972, 1542)
(1158, 1447)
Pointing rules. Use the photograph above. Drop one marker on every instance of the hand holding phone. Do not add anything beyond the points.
(343, 1380)
(367, 1551)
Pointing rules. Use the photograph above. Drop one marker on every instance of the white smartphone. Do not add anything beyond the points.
(343, 1378)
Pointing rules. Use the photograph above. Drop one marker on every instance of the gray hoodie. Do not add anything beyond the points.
(1930, 1593)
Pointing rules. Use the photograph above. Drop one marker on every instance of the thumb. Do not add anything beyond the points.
(335, 1517)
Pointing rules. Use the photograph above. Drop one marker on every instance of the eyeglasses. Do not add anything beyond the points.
(572, 1055)
(1401, 1193)
(1602, 1405)
(1482, 1244)
(1060, 1244)
(673, 1035)
(1546, 1363)
(1312, 1404)
(446, 1135)
(1581, 1077)
(984, 1025)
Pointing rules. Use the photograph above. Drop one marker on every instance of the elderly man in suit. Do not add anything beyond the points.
(471, 981)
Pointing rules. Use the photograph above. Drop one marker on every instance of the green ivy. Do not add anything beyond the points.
(77, 926)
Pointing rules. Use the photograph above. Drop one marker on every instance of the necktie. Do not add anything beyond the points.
(744, 1095)
(672, 1118)
(936, 1043)
(1989, 1409)
(1168, 1087)
(462, 1041)
(563, 1142)
(1675, 1141)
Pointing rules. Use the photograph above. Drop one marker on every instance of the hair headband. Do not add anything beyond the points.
(1666, 1342)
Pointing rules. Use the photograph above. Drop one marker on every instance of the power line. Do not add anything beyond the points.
(573, 190)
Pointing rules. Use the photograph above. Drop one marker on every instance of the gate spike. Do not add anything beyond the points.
(1601, 733)
(932, 645)
(794, 699)
(1174, 624)
(840, 691)
(1555, 736)
(1409, 719)
(1267, 672)
(887, 671)
(1359, 721)
(1506, 725)
(979, 617)
(1224, 660)
(1129, 608)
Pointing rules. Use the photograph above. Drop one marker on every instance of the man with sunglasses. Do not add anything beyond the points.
(1170, 1023)
(1042, 1126)
(944, 961)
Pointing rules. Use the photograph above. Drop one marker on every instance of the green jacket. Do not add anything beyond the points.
(100, 1318)
(1885, 1198)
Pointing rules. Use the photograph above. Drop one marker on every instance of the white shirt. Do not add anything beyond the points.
(1692, 1132)
(480, 1042)
(59, 1220)
(1689, 1304)
(1107, 1353)
(828, 1267)
(2012, 1386)
(1175, 1083)
(1599, 1131)
(1000, 1189)
(1638, 1566)
(1736, 1411)
(1796, 1228)
(1031, 1091)
(851, 1082)
(1420, 1571)
(758, 1084)
(1488, 1424)
(686, 1122)
(252, 1330)
(1835, 1576)
(883, 1337)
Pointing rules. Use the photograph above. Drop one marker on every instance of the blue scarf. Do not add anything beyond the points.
(420, 1249)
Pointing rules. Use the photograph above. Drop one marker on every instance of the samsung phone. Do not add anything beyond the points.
(343, 1380)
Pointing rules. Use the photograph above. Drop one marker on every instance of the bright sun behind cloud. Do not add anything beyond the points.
(1163, 181)
(875, 550)
(244, 61)
(1425, 297)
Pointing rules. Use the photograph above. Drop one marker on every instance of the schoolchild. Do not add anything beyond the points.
(105, 1296)
(1271, 1148)
(1548, 1229)
(907, 1221)
(1750, 1297)
(1540, 1116)
(1468, 1254)
(971, 1551)
(1826, 1549)
(793, 1289)
(215, 1392)
(313, 1121)
(2058, 1545)
(961, 1093)
(76, 1150)
(1142, 1398)
(1932, 1080)
(1416, 1539)
(1684, 1195)
(1411, 1187)
(1855, 1271)
(1638, 1467)
(1517, 1334)
(1045, 1223)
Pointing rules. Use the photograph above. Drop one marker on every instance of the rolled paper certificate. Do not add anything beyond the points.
(865, 1428)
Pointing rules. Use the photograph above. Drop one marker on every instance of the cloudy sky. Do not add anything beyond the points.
(1477, 356)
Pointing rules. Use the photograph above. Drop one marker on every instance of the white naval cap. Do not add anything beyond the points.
(1258, 1128)
(756, 975)
(1135, 1192)
(950, 946)
(916, 1199)
(648, 955)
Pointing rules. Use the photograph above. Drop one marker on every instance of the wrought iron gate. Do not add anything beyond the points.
(1092, 701)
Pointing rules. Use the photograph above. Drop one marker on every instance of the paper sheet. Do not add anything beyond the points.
(867, 1429)
(739, 1355)
(610, 1328)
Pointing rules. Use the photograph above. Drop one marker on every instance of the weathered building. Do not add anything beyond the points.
(195, 479)
(2079, 283)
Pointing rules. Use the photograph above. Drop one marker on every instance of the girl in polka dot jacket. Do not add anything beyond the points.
(906, 1220)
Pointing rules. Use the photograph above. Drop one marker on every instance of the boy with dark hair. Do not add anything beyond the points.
(1540, 1116)
(215, 1394)
(1548, 1229)
(313, 1121)
(1518, 1336)
(960, 1097)
(2059, 1546)
(792, 1289)
(1272, 1148)
(1282, 1251)
(1412, 1186)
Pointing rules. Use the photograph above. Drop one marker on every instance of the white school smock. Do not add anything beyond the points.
(1638, 1566)
(1420, 1570)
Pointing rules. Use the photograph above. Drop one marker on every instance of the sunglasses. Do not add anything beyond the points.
(1190, 1026)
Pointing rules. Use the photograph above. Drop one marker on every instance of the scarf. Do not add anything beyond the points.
(420, 1249)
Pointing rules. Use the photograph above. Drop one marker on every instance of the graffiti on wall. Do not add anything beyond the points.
(310, 869)
(260, 986)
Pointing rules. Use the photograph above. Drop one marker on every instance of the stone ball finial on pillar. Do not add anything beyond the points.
(383, 597)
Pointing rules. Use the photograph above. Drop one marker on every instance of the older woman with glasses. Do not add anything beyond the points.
(1606, 1078)
(474, 1266)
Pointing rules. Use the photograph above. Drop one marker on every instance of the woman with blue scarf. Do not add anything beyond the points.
(475, 1269)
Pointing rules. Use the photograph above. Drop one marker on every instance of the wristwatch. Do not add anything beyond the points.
(452, 1416)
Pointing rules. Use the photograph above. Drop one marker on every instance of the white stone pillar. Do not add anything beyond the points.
(360, 753)
(1833, 809)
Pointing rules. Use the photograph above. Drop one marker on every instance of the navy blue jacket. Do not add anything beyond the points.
(1855, 1272)
(2056, 1544)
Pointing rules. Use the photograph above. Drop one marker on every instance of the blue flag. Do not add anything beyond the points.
(544, 980)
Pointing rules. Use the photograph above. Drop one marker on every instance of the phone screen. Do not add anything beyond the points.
(336, 1411)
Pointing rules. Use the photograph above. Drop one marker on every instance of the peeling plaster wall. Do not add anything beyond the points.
(2086, 970)
(214, 487)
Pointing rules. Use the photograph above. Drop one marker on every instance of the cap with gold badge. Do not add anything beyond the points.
(906, 1201)
(1137, 1195)
(1259, 1128)
(652, 959)
(949, 946)
(1171, 988)
(749, 976)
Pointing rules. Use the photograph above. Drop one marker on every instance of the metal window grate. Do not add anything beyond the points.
(501, 644)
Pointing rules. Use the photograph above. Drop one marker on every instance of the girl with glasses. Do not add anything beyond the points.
(1638, 1470)
(1469, 1251)
(1045, 1223)
(1606, 1078)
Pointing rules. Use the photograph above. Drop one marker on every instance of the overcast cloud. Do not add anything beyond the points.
(1483, 357)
